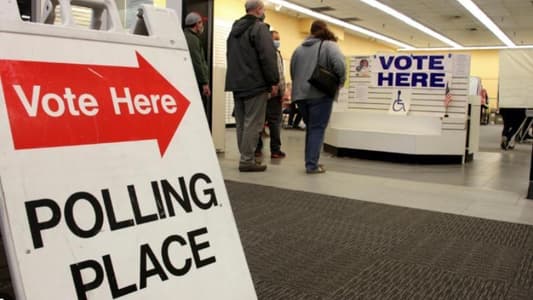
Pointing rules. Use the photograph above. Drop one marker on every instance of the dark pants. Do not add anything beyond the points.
(512, 118)
(294, 116)
(316, 113)
(484, 115)
(273, 118)
(206, 102)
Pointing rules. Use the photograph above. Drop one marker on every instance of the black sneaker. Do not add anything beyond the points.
(504, 144)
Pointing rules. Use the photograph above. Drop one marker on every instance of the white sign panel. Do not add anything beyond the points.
(110, 185)
(461, 65)
(408, 71)
(400, 102)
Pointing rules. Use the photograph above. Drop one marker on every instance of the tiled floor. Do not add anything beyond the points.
(493, 186)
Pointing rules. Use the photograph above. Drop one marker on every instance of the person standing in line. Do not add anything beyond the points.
(293, 121)
(295, 117)
(484, 109)
(252, 73)
(194, 27)
(315, 106)
(512, 119)
(273, 111)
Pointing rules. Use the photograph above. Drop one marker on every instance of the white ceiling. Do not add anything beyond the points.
(447, 17)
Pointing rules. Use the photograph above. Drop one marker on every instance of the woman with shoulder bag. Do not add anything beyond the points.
(317, 71)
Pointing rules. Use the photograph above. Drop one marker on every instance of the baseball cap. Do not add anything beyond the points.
(193, 18)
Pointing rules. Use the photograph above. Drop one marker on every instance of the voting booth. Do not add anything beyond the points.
(393, 106)
(109, 182)
(515, 91)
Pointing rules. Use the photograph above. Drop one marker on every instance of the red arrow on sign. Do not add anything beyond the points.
(59, 104)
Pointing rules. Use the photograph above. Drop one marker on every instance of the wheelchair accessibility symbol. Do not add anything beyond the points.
(398, 104)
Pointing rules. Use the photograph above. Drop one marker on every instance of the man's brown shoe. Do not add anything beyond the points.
(319, 170)
(253, 168)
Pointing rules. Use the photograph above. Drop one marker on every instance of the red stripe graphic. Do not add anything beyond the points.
(59, 104)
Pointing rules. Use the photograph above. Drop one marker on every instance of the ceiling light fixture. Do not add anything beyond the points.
(407, 20)
(340, 23)
(467, 48)
(483, 18)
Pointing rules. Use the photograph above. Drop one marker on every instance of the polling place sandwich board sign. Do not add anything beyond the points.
(109, 183)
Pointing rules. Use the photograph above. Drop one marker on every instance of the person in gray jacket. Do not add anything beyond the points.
(315, 106)
(252, 72)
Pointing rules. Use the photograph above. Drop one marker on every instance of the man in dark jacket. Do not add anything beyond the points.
(252, 72)
(194, 27)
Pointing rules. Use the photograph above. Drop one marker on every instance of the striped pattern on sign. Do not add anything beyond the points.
(360, 94)
(222, 29)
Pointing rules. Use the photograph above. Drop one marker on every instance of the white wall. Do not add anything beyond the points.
(175, 5)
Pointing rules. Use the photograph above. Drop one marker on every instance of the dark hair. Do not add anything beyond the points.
(273, 31)
(319, 29)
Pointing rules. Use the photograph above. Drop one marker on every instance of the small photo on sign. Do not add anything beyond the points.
(400, 101)
(362, 66)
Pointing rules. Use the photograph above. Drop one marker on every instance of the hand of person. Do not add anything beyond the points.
(206, 91)
(275, 91)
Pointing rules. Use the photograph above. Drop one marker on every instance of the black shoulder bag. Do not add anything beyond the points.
(323, 79)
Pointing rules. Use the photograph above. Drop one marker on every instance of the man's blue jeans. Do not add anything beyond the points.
(316, 113)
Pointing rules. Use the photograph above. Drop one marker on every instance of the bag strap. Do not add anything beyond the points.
(318, 55)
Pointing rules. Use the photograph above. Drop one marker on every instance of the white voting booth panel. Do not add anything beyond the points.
(515, 77)
(394, 103)
(109, 182)
(377, 131)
